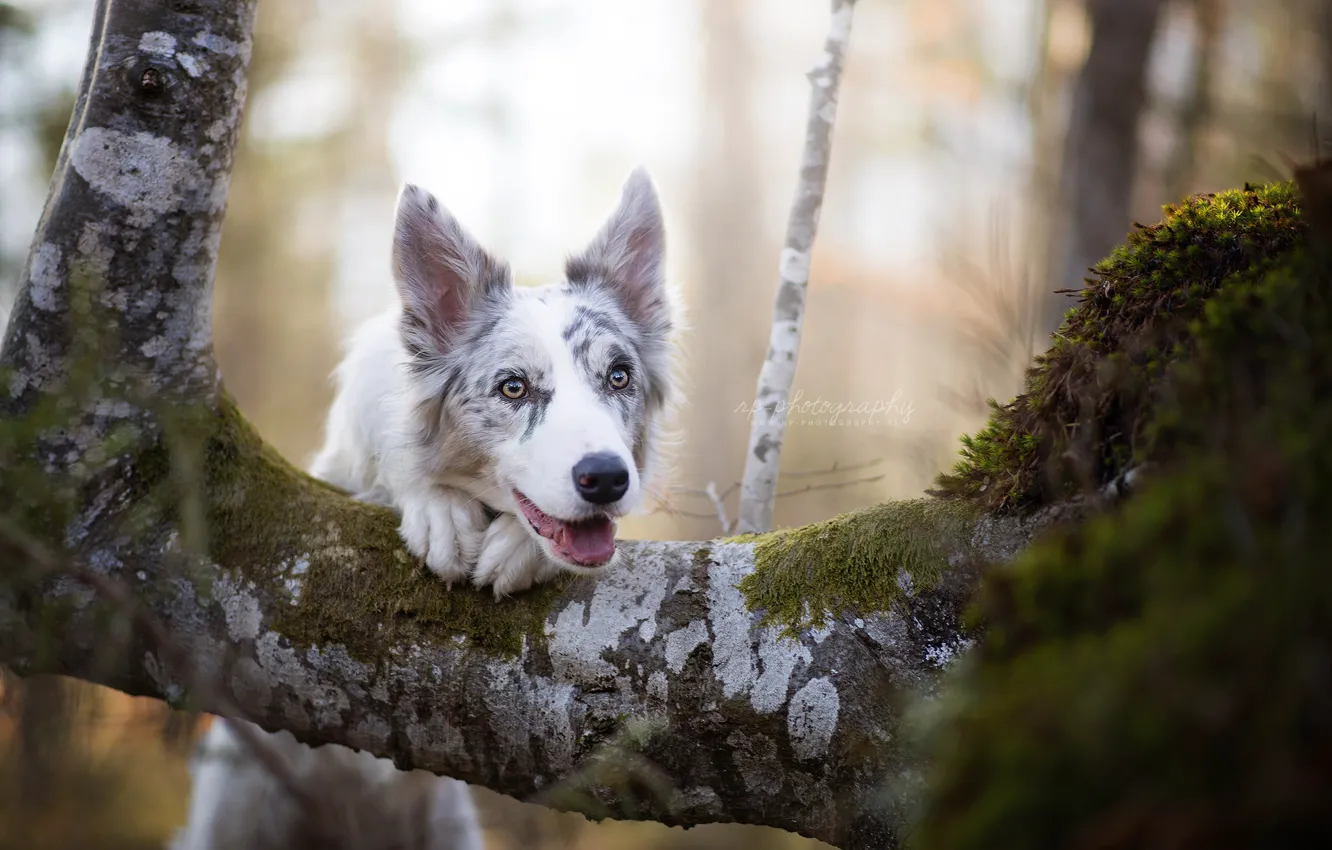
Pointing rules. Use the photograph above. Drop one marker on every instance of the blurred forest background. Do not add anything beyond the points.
(986, 153)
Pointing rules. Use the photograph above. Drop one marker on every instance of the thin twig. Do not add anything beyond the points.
(720, 507)
(670, 511)
(855, 467)
(703, 492)
(830, 485)
(763, 456)
(719, 499)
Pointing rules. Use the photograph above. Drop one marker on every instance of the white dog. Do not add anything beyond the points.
(510, 428)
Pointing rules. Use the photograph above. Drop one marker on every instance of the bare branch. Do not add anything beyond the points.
(720, 506)
(830, 485)
(763, 458)
(835, 468)
(707, 492)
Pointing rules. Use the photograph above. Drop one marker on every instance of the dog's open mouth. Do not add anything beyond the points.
(586, 543)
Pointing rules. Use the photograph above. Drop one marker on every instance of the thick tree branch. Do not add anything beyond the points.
(120, 451)
(314, 619)
(758, 491)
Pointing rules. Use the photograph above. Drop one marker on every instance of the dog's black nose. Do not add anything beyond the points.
(601, 478)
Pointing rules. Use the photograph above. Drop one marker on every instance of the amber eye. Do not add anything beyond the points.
(514, 388)
(618, 378)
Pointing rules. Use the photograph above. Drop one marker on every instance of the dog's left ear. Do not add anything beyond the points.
(441, 270)
(628, 255)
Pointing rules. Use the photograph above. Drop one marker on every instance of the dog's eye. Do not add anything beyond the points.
(514, 388)
(618, 378)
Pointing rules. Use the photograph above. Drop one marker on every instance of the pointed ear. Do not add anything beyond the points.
(441, 271)
(628, 255)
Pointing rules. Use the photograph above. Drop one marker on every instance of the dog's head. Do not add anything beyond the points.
(547, 403)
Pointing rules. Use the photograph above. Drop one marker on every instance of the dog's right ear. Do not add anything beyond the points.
(441, 271)
(627, 256)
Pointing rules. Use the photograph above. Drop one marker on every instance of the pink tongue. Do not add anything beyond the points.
(590, 542)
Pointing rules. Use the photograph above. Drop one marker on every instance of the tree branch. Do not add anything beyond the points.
(653, 693)
(758, 491)
(313, 619)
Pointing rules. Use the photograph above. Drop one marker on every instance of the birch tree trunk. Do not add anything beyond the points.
(758, 488)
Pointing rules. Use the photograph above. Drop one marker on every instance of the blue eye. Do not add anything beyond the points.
(514, 388)
(618, 378)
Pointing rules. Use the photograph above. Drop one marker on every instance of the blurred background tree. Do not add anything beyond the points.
(969, 181)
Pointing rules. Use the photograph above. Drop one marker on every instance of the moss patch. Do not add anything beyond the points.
(1160, 676)
(853, 562)
(293, 534)
(1090, 402)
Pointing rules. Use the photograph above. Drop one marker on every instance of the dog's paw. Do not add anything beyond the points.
(444, 528)
(510, 559)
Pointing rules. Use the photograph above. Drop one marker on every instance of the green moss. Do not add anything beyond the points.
(358, 586)
(1090, 403)
(747, 537)
(853, 562)
(1160, 676)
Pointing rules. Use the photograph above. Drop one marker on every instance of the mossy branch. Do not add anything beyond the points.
(308, 612)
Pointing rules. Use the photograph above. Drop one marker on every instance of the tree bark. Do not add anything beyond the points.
(653, 693)
(1100, 157)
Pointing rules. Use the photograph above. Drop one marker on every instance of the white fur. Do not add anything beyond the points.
(372, 450)
(238, 805)
(369, 450)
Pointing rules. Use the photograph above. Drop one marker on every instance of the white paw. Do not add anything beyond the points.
(510, 559)
(444, 528)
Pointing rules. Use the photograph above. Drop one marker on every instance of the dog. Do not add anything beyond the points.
(510, 428)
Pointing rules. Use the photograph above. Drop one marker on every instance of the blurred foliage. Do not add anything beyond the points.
(14, 19)
(84, 767)
(1092, 399)
(1162, 676)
